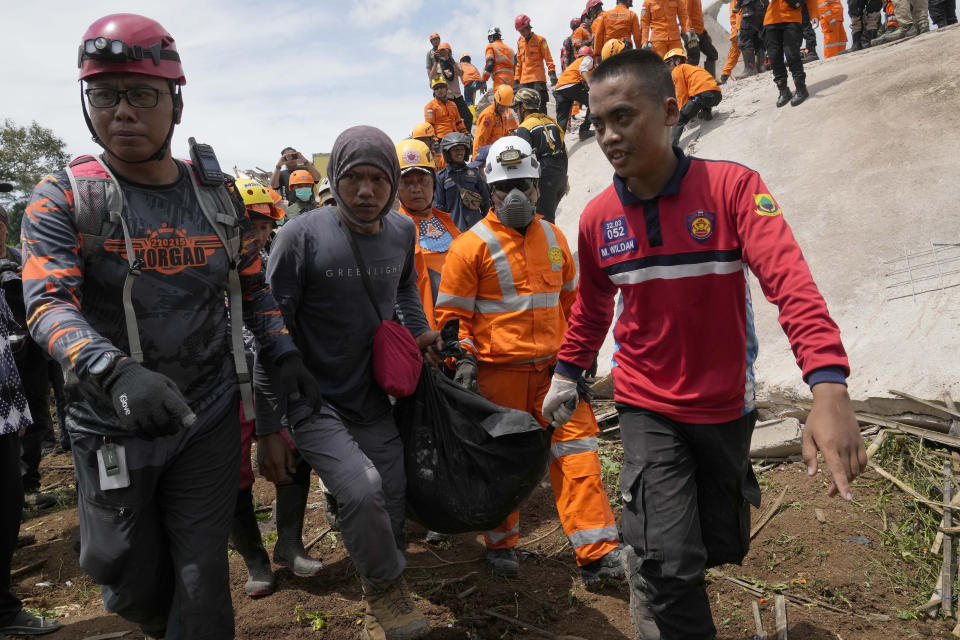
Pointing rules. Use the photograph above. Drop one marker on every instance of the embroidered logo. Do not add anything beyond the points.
(766, 205)
(556, 257)
(700, 224)
(168, 250)
(411, 157)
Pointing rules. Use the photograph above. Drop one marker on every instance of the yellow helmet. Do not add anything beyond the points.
(437, 82)
(413, 154)
(675, 53)
(258, 199)
(612, 48)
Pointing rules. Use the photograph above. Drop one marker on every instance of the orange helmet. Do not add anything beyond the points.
(445, 46)
(504, 95)
(300, 177)
(423, 130)
(675, 53)
(434, 35)
(612, 48)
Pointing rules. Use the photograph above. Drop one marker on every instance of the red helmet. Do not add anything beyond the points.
(576, 22)
(584, 51)
(522, 22)
(129, 43)
(594, 3)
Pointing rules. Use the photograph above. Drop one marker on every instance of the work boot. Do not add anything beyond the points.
(503, 562)
(810, 55)
(245, 537)
(39, 500)
(893, 35)
(785, 93)
(330, 511)
(801, 93)
(868, 37)
(289, 552)
(706, 114)
(711, 66)
(723, 78)
(923, 26)
(436, 538)
(608, 569)
(390, 613)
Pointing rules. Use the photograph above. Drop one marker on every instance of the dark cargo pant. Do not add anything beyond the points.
(686, 492)
(158, 548)
(553, 186)
(709, 52)
(362, 466)
(564, 99)
(783, 41)
(11, 510)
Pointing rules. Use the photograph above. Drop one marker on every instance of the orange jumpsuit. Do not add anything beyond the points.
(831, 23)
(619, 23)
(778, 11)
(734, 54)
(512, 293)
(502, 57)
(689, 81)
(492, 126)
(531, 56)
(470, 73)
(434, 236)
(661, 22)
(444, 117)
(581, 38)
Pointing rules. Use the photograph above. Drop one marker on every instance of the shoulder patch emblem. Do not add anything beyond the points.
(556, 257)
(766, 205)
(700, 224)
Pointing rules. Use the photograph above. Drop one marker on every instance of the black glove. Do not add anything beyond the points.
(553, 78)
(293, 378)
(592, 371)
(466, 375)
(148, 403)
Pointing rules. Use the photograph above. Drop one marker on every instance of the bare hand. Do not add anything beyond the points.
(832, 429)
(431, 344)
(275, 459)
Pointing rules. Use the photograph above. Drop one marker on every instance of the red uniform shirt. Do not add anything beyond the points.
(685, 339)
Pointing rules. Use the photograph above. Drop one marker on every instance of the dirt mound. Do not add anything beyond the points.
(865, 172)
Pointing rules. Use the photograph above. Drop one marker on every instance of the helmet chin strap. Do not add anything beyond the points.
(158, 154)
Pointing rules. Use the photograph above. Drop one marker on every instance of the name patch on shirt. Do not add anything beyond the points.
(617, 239)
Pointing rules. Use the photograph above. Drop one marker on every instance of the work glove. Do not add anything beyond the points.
(553, 78)
(466, 375)
(693, 41)
(303, 392)
(148, 403)
(561, 401)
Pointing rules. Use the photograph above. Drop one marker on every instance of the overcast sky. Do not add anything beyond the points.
(264, 75)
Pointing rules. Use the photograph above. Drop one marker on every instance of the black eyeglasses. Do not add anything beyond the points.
(506, 186)
(140, 97)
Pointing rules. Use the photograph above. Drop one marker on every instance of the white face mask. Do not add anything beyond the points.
(516, 210)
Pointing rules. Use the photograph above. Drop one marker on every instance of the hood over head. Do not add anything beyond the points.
(363, 145)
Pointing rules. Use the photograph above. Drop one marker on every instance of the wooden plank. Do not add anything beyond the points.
(876, 444)
(903, 486)
(780, 607)
(946, 605)
(926, 403)
(761, 635)
(772, 512)
(28, 568)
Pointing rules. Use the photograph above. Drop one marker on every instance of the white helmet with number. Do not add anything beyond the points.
(493, 31)
(511, 157)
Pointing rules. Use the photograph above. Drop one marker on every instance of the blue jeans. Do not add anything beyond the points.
(470, 91)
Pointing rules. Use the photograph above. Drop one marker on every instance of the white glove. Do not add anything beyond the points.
(562, 391)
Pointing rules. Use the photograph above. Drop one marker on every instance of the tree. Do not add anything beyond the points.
(26, 155)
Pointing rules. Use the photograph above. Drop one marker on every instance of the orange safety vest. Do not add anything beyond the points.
(511, 291)
(470, 73)
(502, 57)
(531, 54)
(572, 75)
(661, 20)
(779, 11)
(581, 38)
(689, 81)
(429, 262)
(491, 127)
(444, 116)
(619, 23)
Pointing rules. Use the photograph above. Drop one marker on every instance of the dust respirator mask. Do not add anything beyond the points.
(517, 210)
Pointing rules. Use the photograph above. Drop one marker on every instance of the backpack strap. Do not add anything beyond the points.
(98, 199)
(219, 210)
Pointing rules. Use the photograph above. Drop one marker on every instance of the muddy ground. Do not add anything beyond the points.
(795, 552)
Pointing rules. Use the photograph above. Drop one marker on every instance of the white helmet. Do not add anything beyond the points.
(493, 31)
(511, 157)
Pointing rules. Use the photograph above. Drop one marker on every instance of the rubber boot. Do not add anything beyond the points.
(289, 552)
(503, 562)
(867, 38)
(801, 93)
(749, 63)
(785, 94)
(245, 537)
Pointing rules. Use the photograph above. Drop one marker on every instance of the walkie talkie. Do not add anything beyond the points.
(205, 164)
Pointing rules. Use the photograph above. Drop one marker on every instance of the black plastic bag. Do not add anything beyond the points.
(469, 462)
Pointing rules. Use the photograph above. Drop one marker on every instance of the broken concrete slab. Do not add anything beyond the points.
(776, 438)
